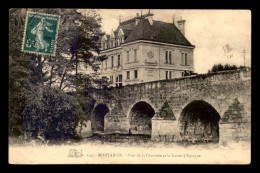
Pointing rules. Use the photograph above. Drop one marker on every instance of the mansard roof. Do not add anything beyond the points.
(126, 32)
(158, 31)
(129, 25)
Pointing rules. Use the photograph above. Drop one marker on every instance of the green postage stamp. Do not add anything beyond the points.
(40, 35)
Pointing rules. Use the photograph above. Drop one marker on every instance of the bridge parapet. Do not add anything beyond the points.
(177, 83)
(168, 98)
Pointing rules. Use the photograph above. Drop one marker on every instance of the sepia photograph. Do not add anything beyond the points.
(129, 86)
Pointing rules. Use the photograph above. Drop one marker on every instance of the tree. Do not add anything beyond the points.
(37, 101)
(88, 47)
(87, 50)
(59, 70)
(17, 72)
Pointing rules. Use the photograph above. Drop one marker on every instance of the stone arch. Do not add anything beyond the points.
(140, 118)
(101, 103)
(199, 122)
(98, 117)
(142, 100)
(220, 105)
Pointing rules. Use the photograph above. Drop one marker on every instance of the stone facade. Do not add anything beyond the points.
(145, 57)
(228, 93)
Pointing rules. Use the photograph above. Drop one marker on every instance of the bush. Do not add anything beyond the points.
(51, 112)
(220, 67)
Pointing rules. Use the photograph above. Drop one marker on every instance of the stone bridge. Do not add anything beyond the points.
(205, 107)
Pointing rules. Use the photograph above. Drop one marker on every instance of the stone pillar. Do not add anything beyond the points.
(235, 124)
(116, 124)
(234, 132)
(165, 130)
(116, 120)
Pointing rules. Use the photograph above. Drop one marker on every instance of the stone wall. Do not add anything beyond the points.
(220, 90)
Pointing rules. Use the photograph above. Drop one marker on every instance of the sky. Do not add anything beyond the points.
(208, 30)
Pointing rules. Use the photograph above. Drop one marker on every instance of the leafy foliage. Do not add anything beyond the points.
(220, 67)
(38, 102)
(54, 113)
(17, 72)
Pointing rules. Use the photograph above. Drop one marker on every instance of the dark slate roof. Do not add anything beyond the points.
(126, 32)
(126, 25)
(159, 31)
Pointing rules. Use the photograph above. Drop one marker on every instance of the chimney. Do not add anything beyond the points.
(137, 19)
(150, 18)
(181, 26)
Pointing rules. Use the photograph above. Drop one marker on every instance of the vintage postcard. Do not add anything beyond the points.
(129, 86)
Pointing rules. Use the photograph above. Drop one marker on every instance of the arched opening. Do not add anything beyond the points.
(141, 118)
(98, 116)
(199, 122)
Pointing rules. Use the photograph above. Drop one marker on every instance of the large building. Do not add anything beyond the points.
(143, 50)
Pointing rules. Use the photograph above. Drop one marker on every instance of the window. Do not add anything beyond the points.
(166, 57)
(184, 58)
(106, 63)
(166, 74)
(128, 74)
(186, 62)
(111, 78)
(170, 74)
(118, 60)
(112, 61)
(135, 55)
(170, 57)
(119, 81)
(127, 56)
(136, 74)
